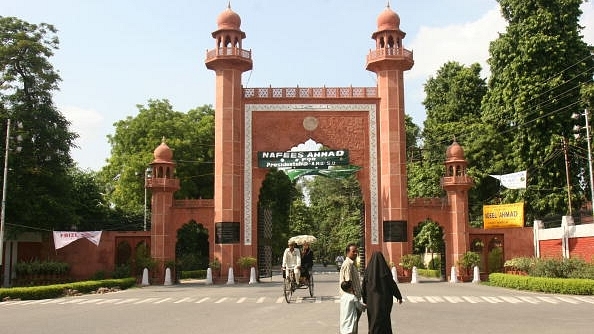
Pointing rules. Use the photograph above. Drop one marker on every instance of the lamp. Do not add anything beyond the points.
(576, 134)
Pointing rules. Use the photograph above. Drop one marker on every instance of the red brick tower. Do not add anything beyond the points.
(389, 60)
(162, 184)
(229, 61)
(456, 183)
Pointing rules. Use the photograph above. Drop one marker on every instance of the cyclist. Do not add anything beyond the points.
(292, 259)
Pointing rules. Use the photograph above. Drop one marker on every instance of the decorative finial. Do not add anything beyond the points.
(163, 140)
(388, 5)
(229, 4)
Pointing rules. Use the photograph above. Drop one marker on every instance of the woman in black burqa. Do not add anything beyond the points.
(378, 289)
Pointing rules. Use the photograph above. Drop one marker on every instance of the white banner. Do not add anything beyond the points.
(513, 181)
(63, 238)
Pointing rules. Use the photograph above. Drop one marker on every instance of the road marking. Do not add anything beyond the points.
(568, 300)
(72, 301)
(203, 300)
(414, 299)
(280, 300)
(187, 299)
(129, 300)
(146, 300)
(91, 301)
(472, 299)
(241, 300)
(492, 300)
(434, 299)
(109, 301)
(549, 300)
(163, 300)
(221, 300)
(260, 300)
(585, 299)
(530, 300)
(453, 299)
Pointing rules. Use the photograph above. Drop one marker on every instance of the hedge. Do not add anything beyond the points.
(58, 290)
(569, 286)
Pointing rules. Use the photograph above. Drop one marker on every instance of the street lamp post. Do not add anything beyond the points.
(3, 211)
(147, 175)
(578, 128)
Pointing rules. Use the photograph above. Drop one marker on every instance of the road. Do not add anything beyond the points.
(429, 307)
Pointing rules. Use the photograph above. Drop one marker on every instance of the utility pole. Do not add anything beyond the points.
(567, 173)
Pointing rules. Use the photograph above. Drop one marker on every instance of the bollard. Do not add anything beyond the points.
(414, 278)
(394, 274)
(453, 275)
(209, 276)
(253, 276)
(167, 277)
(145, 280)
(231, 279)
(477, 276)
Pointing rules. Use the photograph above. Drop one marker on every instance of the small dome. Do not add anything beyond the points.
(455, 152)
(388, 20)
(228, 19)
(163, 153)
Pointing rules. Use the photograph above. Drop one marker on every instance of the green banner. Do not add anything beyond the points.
(303, 159)
(336, 173)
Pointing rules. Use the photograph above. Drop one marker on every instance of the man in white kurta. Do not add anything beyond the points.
(292, 259)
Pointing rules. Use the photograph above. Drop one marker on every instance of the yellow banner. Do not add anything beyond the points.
(503, 215)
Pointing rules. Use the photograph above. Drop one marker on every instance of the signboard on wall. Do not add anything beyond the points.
(503, 215)
(303, 159)
(227, 233)
(395, 231)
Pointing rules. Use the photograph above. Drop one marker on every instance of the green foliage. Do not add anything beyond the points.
(215, 264)
(277, 194)
(435, 264)
(40, 190)
(538, 66)
(495, 259)
(195, 274)
(58, 290)
(429, 236)
(122, 271)
(192, 248)
(36, 267)
(246, 262)
(336, 207)
(408, 261)
(190, 135)
(429, 273)
(469, 260)
(568, 286)
(143, 258)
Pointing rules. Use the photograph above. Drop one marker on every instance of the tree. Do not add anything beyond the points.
(429, 237)
(39, 187)
(453, 105)
(538, 66)
(190, 135)
(277, 193)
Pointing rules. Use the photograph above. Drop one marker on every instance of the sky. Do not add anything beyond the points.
(115, 54)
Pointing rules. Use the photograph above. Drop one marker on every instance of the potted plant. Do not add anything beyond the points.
(408, 261)
(245, 263)
(215, 267)
(467, 263)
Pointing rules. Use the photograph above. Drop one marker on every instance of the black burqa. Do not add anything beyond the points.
(378, 289)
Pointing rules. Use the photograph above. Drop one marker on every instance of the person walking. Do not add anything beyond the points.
(378, 291)
(350, 306)
(349, 272)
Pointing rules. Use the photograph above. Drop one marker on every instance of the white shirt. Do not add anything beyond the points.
(291, 259)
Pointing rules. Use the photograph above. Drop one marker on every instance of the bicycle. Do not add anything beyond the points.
(290, 285)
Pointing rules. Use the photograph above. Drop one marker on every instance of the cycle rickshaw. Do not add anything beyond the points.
(290, 284)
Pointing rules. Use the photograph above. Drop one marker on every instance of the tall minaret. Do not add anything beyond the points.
(163, 184)
(389, 60)
(456, 183)
(229, 61)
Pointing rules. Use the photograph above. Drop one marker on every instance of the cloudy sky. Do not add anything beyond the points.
(115, 55)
